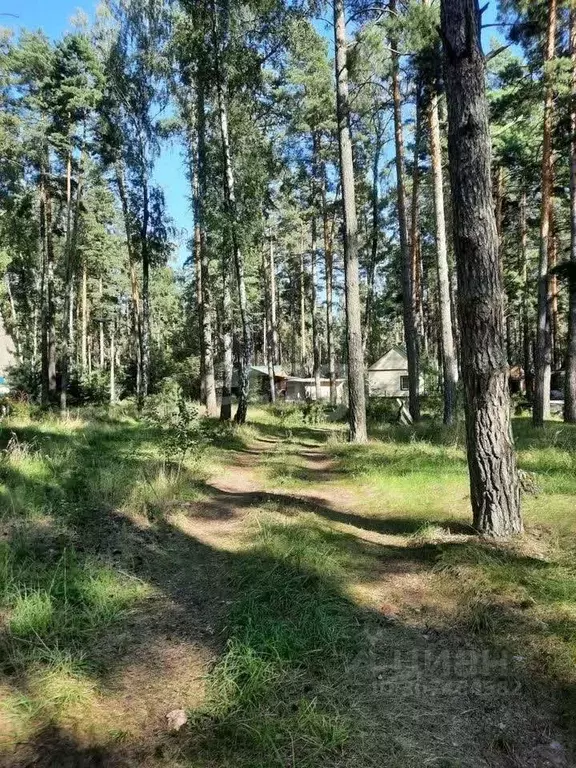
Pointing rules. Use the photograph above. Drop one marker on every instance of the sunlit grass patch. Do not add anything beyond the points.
(520, 599)
(159, 489)
(288, 630)
(32, 614)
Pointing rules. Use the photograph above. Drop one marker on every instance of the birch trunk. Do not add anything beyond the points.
(230, 196)
(205, 289)
(449, 362)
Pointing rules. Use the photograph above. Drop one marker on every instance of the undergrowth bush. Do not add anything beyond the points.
(307, 412)
(182, 433)
(381, 409)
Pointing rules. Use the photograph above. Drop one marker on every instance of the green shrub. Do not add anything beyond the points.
(178, 420)
(382, 409)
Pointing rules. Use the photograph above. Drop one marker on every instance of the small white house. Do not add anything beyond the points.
(300, 389)
(388, 376)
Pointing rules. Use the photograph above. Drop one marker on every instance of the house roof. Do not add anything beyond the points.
(300, 380)
(393, 360)
(263, 370)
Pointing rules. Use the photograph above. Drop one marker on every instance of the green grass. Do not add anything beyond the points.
(67, 582)
(351, 563)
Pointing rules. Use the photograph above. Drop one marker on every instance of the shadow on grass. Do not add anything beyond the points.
(299, 678)
(291, 505)
(304, 435)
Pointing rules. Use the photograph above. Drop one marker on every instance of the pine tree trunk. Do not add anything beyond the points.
(135, 291)
(315, 329)
(356, 393)
(197, 253)
(494, 487)
(270, 278)
(50, 305)
(268, 332)
(374, 237)
(553, 294)
(302, 300)
(293, 317)
(227, 358)
(526, 324)
(206, 293)
(145, 253)
(84, 332)
(409, 314)
(415, 244)
(329, 279)
(273, 311)
(35, 335)
(543, 331)
(113, 363)
(101, 343)
(449, 361)
(230, 196)
(14, 332)
(44, 393)
(67, 283)
(570, 393)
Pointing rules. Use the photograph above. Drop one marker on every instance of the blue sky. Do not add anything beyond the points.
(53, 16)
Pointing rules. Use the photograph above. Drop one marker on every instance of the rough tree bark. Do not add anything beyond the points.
(145, 254)
(101, 340)
(543, 361)
(197, 248)
(449, 361)
(49, 315)
(227, 356)
(355, 356)
(329, 279)
(84, 312)
(526, 324)
(570, 393)
(374, 235)
(415, 239)
(136, 312)
(73, 219)
(315, 324)
(410, 334)
(274, 342)
(44, 394)
(14, 332)
(67, 281)
(269, 344)
(302, 300)
(113, 362)
(494, 484)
